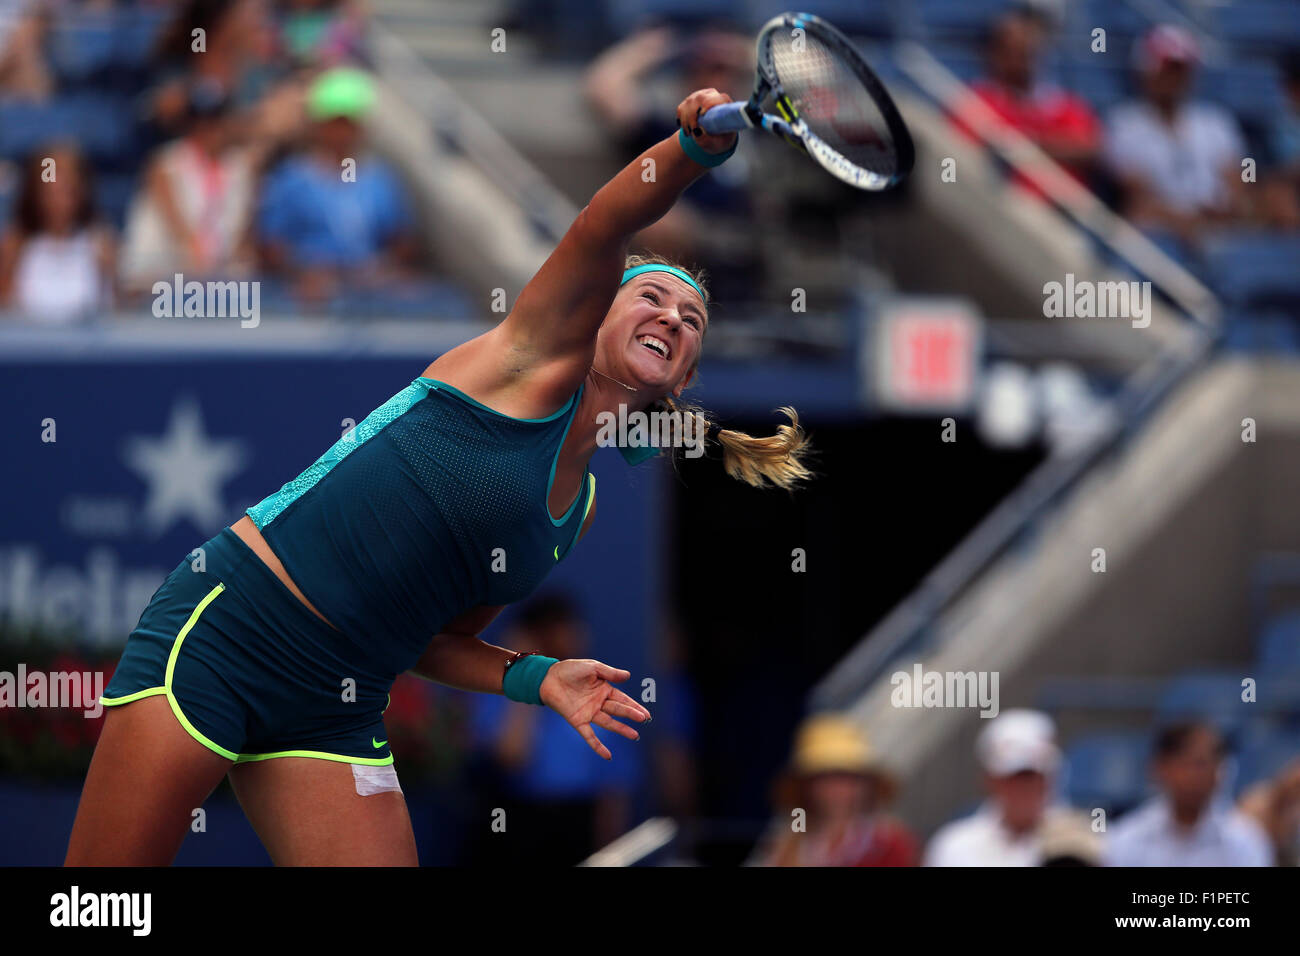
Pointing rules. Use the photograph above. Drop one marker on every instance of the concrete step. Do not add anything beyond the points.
(455, 36)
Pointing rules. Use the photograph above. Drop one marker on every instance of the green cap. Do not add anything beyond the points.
(342, 91)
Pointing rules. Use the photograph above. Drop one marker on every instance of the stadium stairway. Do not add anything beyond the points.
(490, 216)
(1180, 511)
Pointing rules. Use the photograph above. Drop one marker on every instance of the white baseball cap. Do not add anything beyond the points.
(1019, 740)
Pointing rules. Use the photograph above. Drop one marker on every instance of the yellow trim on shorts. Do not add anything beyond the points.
(194, 731)
(171, 669)
(319, 755)
(115, 701)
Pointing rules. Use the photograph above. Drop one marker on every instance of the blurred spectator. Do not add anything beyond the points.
(844, 791)
(229, 43)
(56, 258)
(672, 745)
(1285, 135)
(1279, 204)
(562, 801)
(1275, 806)
(1178, 162)
(712, 225)
(336, 215)
(194, 214)
(1186, 825)
(1065, 841)
(1018, 825)
(322, 32)
(24, 72)
(239, 55)
(1058, 122)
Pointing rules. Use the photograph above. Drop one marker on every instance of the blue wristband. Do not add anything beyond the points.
(523, 680)
(692, 149)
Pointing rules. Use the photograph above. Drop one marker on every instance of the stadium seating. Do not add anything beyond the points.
(856, 17)
(113, 194)
(1212, 695)
(1107, 770)
(1264, 758)
(103, 50)
(102, 124)
(1251, 90)
(1262, 25)
(1121, 20)
(1103, 85)
(626, 15)
(1279, 646)
(1272, 331)
(963, 18)
(1256, 270)
(79, 51)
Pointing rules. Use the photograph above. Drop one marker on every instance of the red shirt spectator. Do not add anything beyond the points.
(1058, 122)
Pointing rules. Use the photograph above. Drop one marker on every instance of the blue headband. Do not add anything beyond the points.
(660, 267)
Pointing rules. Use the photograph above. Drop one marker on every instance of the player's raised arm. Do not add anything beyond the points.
(563, 305)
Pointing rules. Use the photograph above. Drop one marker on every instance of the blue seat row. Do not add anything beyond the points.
(103, 125)
(92, 46)
(1255, 269)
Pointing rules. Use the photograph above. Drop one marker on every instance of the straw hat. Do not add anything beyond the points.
(833, 743)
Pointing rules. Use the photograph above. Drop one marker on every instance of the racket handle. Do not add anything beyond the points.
(727, 118)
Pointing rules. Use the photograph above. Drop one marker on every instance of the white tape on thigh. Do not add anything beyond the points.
(371, 780)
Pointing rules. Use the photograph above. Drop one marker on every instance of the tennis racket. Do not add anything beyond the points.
(831, 105)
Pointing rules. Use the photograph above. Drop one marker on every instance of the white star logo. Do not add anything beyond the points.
(185, 470)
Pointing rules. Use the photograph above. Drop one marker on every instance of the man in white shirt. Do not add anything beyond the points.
(1018, 825)
(1178, 162)
(1185, 825)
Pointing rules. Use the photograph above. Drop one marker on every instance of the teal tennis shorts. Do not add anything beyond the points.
(248, 670)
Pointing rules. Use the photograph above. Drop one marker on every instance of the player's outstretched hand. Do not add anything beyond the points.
(580, 691)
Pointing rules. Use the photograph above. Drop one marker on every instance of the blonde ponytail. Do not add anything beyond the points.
(778, 460)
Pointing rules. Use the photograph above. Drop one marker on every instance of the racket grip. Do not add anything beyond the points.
(727, 118)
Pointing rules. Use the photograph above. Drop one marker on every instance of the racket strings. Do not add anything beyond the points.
(830, 97)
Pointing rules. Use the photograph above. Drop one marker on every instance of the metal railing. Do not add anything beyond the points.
(906, 628)
(461, 125)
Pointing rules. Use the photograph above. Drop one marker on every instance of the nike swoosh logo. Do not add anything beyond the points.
(377, 743)
(557, 552)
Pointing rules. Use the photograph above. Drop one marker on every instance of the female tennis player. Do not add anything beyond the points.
(269, 656)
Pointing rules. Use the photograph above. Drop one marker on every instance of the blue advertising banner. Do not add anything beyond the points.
(117, 467)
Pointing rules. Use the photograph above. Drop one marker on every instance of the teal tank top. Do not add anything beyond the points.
(433, 505)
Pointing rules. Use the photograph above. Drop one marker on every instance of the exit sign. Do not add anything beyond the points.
(922, 355)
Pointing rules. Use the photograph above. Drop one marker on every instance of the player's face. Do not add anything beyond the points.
(654, 333)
